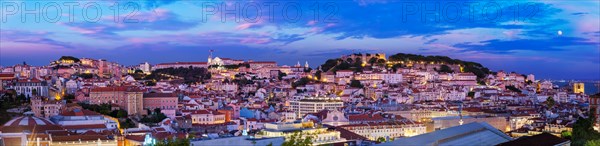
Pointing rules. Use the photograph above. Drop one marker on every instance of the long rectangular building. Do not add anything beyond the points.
(127, 97)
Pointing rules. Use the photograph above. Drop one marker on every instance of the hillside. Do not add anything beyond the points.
(468, 66)
(402, 60)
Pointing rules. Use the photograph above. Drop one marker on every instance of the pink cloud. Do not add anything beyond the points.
(255, 40)
(512, 33)
(245, 26)
(147, 16)
(23, 48)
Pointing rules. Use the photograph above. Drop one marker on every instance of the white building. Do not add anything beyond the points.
(373, 131)
(82, 120)
(71, 86)
(315, 104)
(467, 134)
(320, 135)
(28, 86)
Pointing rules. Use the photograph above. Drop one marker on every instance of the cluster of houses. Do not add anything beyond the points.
(266, 101)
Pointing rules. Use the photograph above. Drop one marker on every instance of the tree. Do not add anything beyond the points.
(34, 92)
(381, 139)
(381, 62)
(356, 84)
(301, 82)
(583, 130)
(471, 94)
(592, 142)
(172, 142)
(372, 61)
(445, 69)
(74, 59)
(318, 74)
(550, 102)
(122, 113)
(157, 110)
(22, 97)
(127, 124)
(86, 75)
(298, 139)
(329, 64)
(513, 88)
(281, 75)
(69, 98)
(566, 134)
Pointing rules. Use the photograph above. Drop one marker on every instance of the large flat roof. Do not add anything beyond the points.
(475, 133)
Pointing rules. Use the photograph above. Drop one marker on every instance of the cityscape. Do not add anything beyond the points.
(297, 73)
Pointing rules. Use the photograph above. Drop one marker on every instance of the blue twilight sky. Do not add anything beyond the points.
(555, 39)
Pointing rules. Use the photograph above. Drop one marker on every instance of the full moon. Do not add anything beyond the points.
(559, 32)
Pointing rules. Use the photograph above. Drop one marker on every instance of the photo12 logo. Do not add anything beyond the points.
(133, 12)
(252, 12)
(453, 11)
(55, 11)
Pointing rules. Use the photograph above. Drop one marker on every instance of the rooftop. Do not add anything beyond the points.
(467, 134)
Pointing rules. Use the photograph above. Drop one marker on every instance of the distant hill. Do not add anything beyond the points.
(401, 60)
(468, 66)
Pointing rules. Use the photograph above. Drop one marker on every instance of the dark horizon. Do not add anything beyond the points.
(279, 62)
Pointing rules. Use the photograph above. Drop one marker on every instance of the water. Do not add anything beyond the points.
(590, 88)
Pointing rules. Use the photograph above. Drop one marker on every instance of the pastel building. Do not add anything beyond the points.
(373, 131)
(127, 97)
(166, 102)
(42, 107)
(207, 117)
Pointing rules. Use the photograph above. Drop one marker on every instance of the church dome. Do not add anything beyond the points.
(29, 124)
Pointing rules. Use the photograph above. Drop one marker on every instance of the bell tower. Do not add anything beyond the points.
(210, 56)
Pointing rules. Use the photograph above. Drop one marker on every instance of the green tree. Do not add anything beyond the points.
(566, 134)
(583, 130)
(592, 142)
(157, 110)
(122, 113)
(329, 64)
(34, 92)
(281, 75)
(445, 69)
(74, 59)
(381, 62)
(298, 139)
(69, 98)
(349, 60)
(318, 74)
(356, 84)
(301, 82)
(127, 124)
(381, 139)
(372, 61)
(513, 88)
(550, 102)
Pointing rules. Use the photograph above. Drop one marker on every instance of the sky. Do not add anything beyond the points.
(553, 39)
